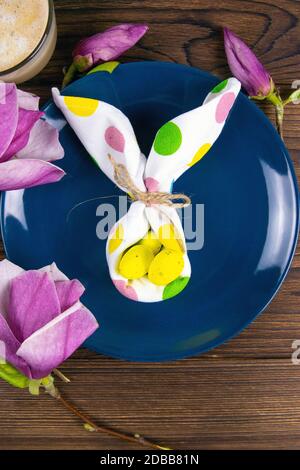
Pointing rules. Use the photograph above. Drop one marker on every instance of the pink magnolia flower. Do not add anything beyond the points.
(27, 143)
(246, 67)
(106, 46)
(42, 321)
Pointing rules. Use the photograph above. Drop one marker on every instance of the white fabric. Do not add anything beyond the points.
(104, 130)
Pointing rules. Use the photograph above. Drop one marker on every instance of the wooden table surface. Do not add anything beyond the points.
(244, 394)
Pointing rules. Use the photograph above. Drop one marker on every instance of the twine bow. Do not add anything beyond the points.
(123, 179)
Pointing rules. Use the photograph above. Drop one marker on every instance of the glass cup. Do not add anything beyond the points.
(37, 58)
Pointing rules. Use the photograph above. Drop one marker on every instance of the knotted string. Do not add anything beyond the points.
(123, 179)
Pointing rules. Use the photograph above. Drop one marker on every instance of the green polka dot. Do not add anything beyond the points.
(106, 67)
(220, 86)
(175, 287)
(168, 139)
(94, 160)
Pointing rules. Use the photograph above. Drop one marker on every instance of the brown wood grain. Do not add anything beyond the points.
(244, 394)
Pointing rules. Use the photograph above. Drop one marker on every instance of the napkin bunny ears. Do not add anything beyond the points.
(108, 137)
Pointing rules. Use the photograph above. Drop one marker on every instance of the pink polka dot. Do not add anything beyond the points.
(115, 139)
(151, 184)
(224, 106)
(125, 289)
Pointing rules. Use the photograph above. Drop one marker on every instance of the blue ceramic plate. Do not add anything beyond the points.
(246, 184)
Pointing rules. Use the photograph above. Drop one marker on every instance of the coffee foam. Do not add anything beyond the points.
(22, 25)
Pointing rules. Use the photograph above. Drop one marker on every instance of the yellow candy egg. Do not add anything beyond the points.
(165, 267)
(152, 242)
(135, 262)
(169, 238)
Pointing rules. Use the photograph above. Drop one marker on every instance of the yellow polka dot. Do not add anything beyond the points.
(200, 153)
(116, 239)
(82, 107)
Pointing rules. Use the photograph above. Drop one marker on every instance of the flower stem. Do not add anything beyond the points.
(276, 100)
(69, 75)
(136, 438)
(279, 119)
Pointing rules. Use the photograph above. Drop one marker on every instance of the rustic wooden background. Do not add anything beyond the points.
(245, 394)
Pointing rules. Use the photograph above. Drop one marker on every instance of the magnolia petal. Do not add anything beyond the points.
(28, 101)
(19, 174)
(8, 115)
(43, 143)
(33, 302)
(26, 121)
(48, 347)
(54, 272)
(11, 345)
(245, 65)
(8, 271)
(111, 43)
(69, 292)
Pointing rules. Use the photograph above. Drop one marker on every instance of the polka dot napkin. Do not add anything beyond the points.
(180, 143)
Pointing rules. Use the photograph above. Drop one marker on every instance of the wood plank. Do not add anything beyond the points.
(198, 403)
(245, 393)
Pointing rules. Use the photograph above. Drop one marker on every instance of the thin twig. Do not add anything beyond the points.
(62, 376)
(136, 439)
